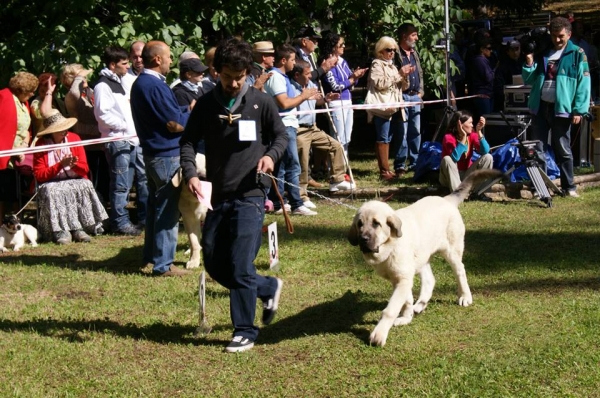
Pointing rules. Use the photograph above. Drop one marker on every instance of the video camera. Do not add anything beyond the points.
(536, 41)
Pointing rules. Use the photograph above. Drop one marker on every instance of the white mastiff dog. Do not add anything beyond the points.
(192, 213)
(398, 244)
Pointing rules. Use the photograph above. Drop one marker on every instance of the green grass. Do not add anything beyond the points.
(87, 320)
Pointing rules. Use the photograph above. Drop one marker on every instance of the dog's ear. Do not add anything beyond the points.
(395, 224)
(353, 232)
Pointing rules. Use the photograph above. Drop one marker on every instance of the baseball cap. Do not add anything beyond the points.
(309, 32)
(192, 65)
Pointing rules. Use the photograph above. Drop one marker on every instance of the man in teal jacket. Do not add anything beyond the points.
(560, 95)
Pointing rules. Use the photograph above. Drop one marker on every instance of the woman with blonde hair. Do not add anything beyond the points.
(14, 132)
(385, 85)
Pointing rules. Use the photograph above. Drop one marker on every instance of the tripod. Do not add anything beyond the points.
(530, 158)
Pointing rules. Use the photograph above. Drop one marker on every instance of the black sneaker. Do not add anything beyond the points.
(270, 306)
(239, 344)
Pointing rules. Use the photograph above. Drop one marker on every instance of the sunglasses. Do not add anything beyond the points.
(389, 50)
(342, 45)
(488, 48)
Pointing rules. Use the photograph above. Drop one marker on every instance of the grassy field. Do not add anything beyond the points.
(87, 320)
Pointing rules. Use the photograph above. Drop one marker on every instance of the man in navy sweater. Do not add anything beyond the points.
(243, 135)
(159, 122)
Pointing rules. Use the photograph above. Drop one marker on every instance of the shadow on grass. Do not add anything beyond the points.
(77, 331)
(339, 316)
(127, 261)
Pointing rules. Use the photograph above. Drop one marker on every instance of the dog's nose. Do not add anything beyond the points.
(18, 227)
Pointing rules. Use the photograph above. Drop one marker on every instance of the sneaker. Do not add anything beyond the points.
(239, 344)
(81, 236)
(309, 204)
(572, 194)
(314, 184)
(128, 230)
(270, 306)
(400, 173)
(304, 211)
(62, 237)
(174, 271)
(99, 230)
(288, 208)
(341, 186)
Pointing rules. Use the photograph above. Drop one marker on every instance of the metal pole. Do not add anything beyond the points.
(447, 37)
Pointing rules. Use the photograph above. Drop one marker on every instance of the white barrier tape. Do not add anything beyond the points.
(313, 193)
(377, 106)
(46, 148)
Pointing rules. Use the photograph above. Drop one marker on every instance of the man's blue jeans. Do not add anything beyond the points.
(409, 141)
(162, 221)
(546, 121)
(230, 241)
(289, 170)
(125, 162)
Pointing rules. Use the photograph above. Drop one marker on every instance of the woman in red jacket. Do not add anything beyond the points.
(68, 203)
(458, 146)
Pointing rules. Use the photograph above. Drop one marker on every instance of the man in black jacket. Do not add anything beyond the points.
(244, 135)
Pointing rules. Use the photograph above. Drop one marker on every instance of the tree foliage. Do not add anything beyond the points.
(41, 35)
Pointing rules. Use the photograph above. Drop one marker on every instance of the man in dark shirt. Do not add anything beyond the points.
(410, 141)
(244, 135)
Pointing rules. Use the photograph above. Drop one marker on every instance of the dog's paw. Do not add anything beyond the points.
(465, 300)
(34, 244)
(379, 336)
(419, 307)
(192, 264)
(187, 252)
(4, 250)
(402, 320)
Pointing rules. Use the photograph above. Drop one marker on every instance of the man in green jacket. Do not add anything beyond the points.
(560, 95)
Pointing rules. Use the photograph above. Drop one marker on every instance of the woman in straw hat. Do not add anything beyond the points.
(69, 206)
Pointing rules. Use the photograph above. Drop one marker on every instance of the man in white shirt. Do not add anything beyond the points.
(113, 113)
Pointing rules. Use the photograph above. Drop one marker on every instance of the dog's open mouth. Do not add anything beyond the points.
(366, 249)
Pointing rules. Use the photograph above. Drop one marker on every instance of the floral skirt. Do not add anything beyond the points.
(69, 205)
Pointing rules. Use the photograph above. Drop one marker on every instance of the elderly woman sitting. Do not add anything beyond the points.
(68, 203)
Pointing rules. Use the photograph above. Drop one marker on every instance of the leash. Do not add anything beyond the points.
(29, 201)
(313, 193)
(286, 216)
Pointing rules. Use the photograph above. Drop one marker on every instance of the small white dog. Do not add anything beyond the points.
(193, 213)
(13, 233)
(398, 245)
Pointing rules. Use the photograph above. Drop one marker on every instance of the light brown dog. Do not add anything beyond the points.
(398, 245)
(193, 213)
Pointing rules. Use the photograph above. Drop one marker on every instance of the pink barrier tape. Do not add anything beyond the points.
(379, 106)
(46, 148)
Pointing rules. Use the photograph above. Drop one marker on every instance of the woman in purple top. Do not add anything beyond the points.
(482, 80)
(339, 79)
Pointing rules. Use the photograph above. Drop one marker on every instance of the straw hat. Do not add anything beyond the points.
(56, 122)
(263, 47)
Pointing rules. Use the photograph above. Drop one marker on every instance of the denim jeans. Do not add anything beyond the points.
(544, 122)
(162, 220)
(386, 129)
(409, 141)
(231, 238)
(343, 120)
(288, 169)
(125, 161)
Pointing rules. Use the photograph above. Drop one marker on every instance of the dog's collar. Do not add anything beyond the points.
(8, 230)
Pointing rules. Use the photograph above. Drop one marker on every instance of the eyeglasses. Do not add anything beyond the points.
(342, 45)
(389, 50)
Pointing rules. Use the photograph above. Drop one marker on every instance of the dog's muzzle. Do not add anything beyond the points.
(364, 246)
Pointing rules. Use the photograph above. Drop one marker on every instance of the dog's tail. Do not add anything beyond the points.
(473, 180)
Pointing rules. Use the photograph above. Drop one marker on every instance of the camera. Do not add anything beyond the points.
(536, 41)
